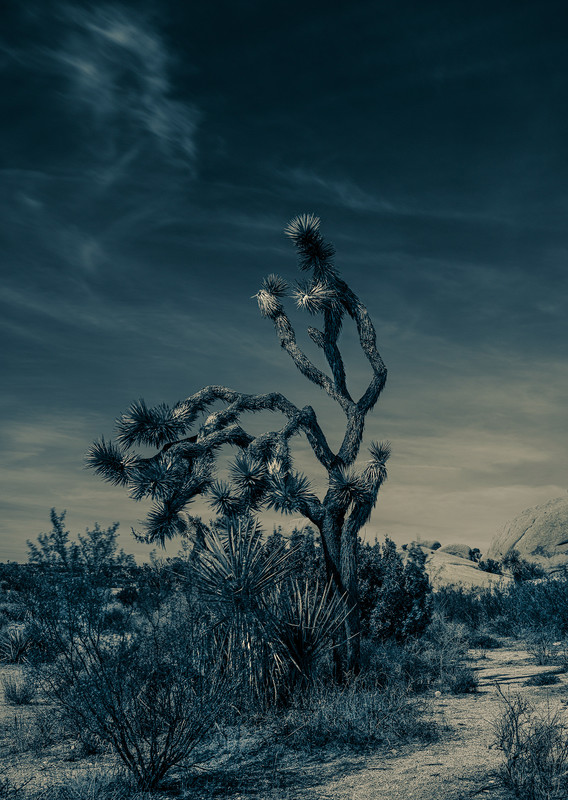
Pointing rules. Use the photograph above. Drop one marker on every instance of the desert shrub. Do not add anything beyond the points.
(535, 750)
(395, 597)
(152, 699)
(542, 643)
(94, 553)
(128, 595)
(354, 716)
(490, 565)
(509, 610)
(462, 605)
(543, 679)
(437, 660)
(19, 690)
(13, 611)
(483, 640)
(532, 605)
(461, 680)
(520, 568)
(444, 653)
(116, 617)
(400, 666)
(37, 731)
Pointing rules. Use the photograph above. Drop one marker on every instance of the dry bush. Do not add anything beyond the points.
(355, 717)
(535, 749)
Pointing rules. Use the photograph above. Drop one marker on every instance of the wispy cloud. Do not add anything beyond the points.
(338, 191)
(117, 68)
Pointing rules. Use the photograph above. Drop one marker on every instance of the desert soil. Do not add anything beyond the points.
(462, 763)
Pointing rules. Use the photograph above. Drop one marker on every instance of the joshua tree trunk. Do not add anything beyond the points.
(262, 475)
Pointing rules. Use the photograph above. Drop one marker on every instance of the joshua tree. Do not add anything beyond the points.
(262, 475)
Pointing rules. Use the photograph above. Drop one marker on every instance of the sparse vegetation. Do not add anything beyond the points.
(535, 750)
(19, 690)
(356, 717)
(238, 633)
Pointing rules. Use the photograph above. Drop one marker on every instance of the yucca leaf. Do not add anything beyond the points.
(376, 469)
(275, 285)
(314, 252)
(349, 487)
(164, 520)
(248, 473)
(221, 499)
(269, 305)
(302, 226)
(233, 568)
(313, 297)
(287, 492)
(156, 478)
(152, 426)
(306, 621)
(111, 462)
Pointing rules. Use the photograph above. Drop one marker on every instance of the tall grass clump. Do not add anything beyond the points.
(355, 717)
(19, 690)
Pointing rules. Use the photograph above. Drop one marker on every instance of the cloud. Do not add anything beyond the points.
(117, 68)
(340, 192)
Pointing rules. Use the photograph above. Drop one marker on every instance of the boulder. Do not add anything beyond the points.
(539, 534)
(445, 569)
(458, 549)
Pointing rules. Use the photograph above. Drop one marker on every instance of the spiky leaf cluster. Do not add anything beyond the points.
(268, 304)
(234, 569)
(313, 251)
(154, 427)
(376, 469)
(249, 477)
(156, 478)
(347, 486)
(275, 285)
(167, 517)
(164, 521)
(306, 623)
(111, 462)
(288, 492)
(223, 501)
(314, 297)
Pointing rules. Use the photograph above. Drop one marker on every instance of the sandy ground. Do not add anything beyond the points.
(463, 763)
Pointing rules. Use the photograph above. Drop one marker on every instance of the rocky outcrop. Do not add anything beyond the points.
(539, 534)
(445, 569)
(458, 549)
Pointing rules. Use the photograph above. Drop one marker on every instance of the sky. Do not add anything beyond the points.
(151, 156)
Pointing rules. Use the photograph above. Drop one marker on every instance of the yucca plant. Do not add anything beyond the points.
(15, 645)
(305, 623)
(237, 578)
(262, 476)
